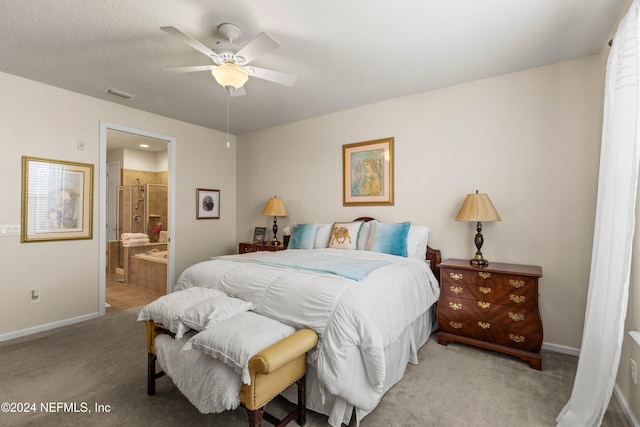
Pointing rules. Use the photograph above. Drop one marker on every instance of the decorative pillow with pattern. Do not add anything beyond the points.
(344, 235)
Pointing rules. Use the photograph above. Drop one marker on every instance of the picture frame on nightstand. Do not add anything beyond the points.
(258, 234)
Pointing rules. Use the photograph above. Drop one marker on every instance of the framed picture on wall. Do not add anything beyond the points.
(57, 200)
(367, 173)
(207, 204)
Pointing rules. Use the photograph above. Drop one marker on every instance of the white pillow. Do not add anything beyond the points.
(417, 241)
(214, 310)
(345, 235)
(236, 340)
(323, 234)
(363, 237)
(166, 309)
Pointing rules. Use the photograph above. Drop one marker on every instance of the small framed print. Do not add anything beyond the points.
(258, 234)
(207, 204)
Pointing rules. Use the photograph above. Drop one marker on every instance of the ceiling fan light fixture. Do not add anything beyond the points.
(230, 76)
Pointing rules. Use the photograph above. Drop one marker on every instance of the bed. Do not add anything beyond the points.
(367, 288)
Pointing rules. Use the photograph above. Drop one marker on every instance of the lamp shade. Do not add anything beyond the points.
(477, 208)
(230, 75)
(274, 207)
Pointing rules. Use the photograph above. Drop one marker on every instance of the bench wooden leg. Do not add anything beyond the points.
(255, 416)
(151, 374)
(302, 401)
(300, 413)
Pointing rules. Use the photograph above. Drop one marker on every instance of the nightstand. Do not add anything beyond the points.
(495, 308)
(247, 247)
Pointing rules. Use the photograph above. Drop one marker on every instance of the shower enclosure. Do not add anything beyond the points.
(142, 208)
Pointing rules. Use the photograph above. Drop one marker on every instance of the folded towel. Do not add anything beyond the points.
(138, 240)
(135, 242)
(128, 236)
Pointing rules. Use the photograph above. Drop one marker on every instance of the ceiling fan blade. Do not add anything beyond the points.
(180, 70)
(238, 92)
(187, 39)
(272, 76)
(263, 43)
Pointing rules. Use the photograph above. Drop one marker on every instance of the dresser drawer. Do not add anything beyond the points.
(484, 278)
(483, 330)
(459, 309)
(527, 296)
(245, 248)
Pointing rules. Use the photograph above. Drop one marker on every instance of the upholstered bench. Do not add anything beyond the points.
(272, 370)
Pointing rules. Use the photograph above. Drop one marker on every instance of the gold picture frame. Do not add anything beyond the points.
(57, 200)
(367, 173)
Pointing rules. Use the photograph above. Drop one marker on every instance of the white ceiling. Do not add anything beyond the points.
(345, 53)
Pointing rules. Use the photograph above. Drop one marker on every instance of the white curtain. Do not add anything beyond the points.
(613, 234)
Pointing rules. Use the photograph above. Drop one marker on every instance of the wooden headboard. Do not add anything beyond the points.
(434, 256)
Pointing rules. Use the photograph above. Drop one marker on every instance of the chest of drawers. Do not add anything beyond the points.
(494, 307)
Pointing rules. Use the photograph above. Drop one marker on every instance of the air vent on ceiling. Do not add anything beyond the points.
(120, 93)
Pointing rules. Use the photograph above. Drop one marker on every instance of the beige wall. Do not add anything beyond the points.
(44, 121)
(529, 139)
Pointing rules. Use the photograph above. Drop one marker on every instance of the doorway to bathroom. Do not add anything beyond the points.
(138, 217)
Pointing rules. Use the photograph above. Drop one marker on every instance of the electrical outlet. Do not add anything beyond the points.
(35, 296)
(634, 371)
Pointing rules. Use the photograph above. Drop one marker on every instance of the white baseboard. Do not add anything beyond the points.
(47, 326)
(625, 406)
(616, 390)
(572, 351)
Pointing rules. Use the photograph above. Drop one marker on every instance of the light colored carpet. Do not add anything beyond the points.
(103, 362)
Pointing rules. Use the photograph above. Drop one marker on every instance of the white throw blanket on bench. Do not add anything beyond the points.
(209, 384)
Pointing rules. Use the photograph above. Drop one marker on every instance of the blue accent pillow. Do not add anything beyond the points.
(303, 236)
(389, 238)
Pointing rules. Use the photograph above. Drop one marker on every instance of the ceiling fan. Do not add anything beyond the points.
(231, 67)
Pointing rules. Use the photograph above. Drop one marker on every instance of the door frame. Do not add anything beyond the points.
(112, 191)
(102, 206)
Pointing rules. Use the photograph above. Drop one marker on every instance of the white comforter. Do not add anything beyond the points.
(355, 320)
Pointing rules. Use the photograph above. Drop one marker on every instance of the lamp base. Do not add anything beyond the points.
(275, 242)
(478, 261)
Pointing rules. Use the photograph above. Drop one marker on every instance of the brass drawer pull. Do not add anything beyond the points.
(455, 325)
(485, 290)
(516, 317)
(517, 298)
(516, 338)
(484, 274)
(484, 325)
(484, 304)
(516, 283)
(455, 306)
(456, 276)
(456, 289)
